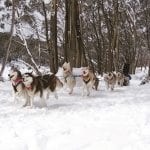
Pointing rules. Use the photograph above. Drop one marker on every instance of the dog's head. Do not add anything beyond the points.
(109, 76)
(85, 71)
(66, 67)
(119, 75)
(14, 74)
(27, 78)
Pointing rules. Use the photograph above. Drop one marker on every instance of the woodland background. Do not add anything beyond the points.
(103, 34)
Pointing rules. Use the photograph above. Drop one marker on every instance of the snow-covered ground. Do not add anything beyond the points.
(107, 120)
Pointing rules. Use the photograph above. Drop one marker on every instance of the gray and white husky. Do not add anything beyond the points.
(38, 85)
(69, 78)
(120, 78)
(110, 80)
(19, 89)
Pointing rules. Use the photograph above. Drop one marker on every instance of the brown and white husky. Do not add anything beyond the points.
(89, 80)
(38, 85)
(19, 89)
(69, 78)
(110, 80)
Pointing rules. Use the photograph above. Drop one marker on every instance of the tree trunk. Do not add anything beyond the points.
(53, 37)
(10, 39)
(49, 47)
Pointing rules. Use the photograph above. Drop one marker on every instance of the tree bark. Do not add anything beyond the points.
(10, 39)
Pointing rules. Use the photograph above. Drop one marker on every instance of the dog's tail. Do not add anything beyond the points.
(55, 82)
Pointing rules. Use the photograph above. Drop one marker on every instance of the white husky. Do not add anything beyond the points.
(69, 78)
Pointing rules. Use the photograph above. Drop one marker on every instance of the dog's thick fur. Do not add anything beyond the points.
(145, 80)
(120, 78)
(18, 85)
(126, 80)
(110, 80)
(69, 78)
(37, 85)
(89, 80)
(51, 83)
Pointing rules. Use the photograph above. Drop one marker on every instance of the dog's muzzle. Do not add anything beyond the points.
(10, 76)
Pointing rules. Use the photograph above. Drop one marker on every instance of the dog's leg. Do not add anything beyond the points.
(71, 90)
(43, 102)
(84, 89)
(107, 85)
(31, 101)
(112, 87)
(47, 94)
(55, 94)
(15, 97)
(27, 101)
(88, 91)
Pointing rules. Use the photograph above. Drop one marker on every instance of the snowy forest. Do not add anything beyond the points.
(63, 80)
(103, 34)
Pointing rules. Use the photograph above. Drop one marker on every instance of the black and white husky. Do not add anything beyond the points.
(19, 89)
(41, 85)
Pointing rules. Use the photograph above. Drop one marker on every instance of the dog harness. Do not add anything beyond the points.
(16, 83)
(68, 77)
(86, 81)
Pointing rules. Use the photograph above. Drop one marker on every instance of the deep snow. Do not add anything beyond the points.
(107, 120)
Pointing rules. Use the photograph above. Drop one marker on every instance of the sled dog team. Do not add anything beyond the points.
(28, 85)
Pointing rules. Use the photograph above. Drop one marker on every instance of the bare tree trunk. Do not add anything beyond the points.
(53, 31)
(109, 35)
(114, 46)
(74, 46)
(67, 30)
(49, 48)
(10, 39)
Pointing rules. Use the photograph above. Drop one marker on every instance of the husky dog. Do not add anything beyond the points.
(69, 79)
(18, 85)
(110, 80)
(89, 80)
(145, 80)
(36, 85)
(50, 84)
(120, 78)
(126, 80)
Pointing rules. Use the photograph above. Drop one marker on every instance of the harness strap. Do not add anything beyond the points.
(68, 77)
(29, 88)
(86, 82)
(16, 83)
